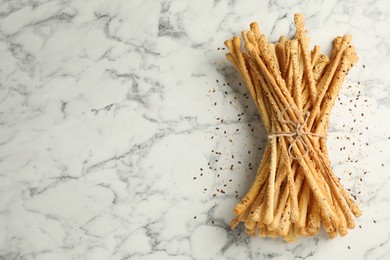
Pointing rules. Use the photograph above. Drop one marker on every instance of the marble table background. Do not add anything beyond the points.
(111, 140)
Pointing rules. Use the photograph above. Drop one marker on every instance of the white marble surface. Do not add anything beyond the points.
(109, 109)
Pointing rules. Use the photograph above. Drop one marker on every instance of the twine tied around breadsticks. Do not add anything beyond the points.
(296, 133)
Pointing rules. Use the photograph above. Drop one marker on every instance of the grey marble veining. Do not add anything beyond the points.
(119, 122)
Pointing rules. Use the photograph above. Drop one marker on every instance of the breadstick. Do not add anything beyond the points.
(259, 181)
(238, 219)
(296, 90)
(250, 224)
(326, 223)
(336, 46)
(234, 60)
(290, 181)
(241, 64)
(263, 231)
(256, 206)
(313, 220)
(303, 203)
(280, 171)
(291, 235)
(255, 28)
(271, 64)
(278, 214)
(287, 61)
(332, 234)
(271, 46)
(315, 53)
(285, 223)
(289, 70)
(317, 66)
(260, 102)
(342, 228)
(269, 209)
(280, 50)
(303, 40)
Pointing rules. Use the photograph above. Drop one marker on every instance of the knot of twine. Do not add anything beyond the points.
(297, 132)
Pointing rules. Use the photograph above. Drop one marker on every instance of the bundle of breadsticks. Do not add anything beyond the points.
(294, 89)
